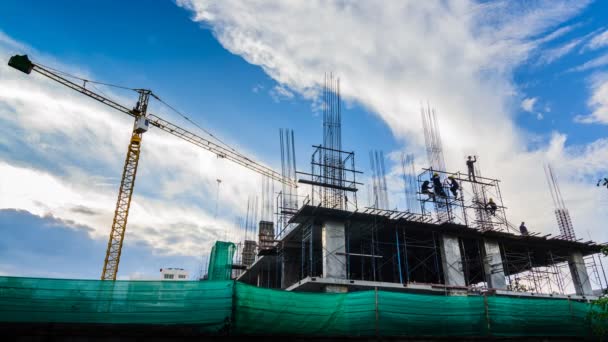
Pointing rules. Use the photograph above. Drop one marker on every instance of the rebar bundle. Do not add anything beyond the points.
(561, 212)
(333, 168)
(380, 192)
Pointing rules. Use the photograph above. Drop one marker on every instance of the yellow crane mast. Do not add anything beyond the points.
(142, 121)
(125, 192)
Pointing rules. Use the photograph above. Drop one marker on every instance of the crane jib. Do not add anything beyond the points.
(111, 262)
(23, 63)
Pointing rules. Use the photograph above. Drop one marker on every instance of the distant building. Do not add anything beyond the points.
(173, 274)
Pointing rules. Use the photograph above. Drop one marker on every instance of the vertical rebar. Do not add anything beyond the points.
(398, 255)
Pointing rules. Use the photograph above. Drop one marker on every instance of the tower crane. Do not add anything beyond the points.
(143, 120)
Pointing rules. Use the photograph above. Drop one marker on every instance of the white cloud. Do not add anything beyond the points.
(598, 41)
(528, 104)
(558, 33)
(76, 203)
(66, 154)
(459, 55)
(549, 56)
(280, 93)
(598, 102)
(592, 64)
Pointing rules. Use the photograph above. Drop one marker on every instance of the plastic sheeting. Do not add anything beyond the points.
(228, 307)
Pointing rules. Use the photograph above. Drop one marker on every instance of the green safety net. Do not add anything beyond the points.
(229, 307)
(538, 317)
(220, 261)
(261, 311)
(430, 315)
(265, 311)
(207, 304)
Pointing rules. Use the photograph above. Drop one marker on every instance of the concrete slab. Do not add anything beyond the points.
(318, 284)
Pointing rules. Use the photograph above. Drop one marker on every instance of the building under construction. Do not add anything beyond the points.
(448, 241)
(451, 264)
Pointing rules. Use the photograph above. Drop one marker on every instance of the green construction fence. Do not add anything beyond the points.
(226, 307)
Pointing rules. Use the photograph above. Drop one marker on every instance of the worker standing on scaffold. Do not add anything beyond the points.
(426, 190)
(491, 207)
(471, 168)
(437, 185)
(454, 186)
(523, 230)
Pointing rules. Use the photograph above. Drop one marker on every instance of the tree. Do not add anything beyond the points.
(598, 315)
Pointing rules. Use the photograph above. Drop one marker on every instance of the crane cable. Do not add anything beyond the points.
(85, 81)
(195, 124)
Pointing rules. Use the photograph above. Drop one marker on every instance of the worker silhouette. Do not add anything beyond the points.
(603, 184)
(454, 186)
(426, 190)
(437, 185)
(523, 230)
(471, 168)
(491, 207)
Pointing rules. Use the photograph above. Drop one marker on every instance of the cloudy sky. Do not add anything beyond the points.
(517, 83)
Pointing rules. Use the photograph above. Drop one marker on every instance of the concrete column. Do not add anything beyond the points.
(452, 261)
(580, 278)
(333, 241)
(290, 268)
(493, 267)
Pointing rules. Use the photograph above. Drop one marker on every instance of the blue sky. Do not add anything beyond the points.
(502, 75)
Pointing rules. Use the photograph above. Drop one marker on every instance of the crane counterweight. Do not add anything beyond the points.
(21, 63)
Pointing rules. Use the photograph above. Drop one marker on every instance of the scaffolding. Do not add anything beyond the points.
(548, 271)
(333, 174)
(248, 254)
(460, 241)
(471, 207)
(446, 208)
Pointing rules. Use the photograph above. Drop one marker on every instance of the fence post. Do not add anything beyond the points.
(376, 307)
(485, 303)
(233, 311)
